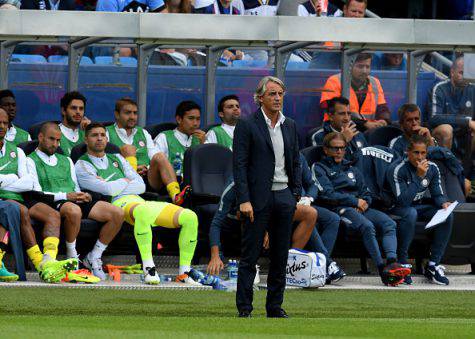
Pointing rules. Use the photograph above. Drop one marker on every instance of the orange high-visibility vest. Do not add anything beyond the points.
(372, 100)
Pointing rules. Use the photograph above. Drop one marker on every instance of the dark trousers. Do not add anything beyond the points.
(407, 228)
(367, 224)
(10, 220)
(324, 234)
(276, 218)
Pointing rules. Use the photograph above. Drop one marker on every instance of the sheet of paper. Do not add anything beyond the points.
(441, 215)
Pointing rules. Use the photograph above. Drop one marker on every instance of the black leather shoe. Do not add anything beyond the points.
(244, 314)
(277, 313)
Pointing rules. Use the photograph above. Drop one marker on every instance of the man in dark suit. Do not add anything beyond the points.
(268, 184)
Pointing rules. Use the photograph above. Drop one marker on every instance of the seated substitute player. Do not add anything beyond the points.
(14, 180)
(326, 230)
(305, 235)
(137, 147)
(339, 120)
(55, 174)
(174, 143)
(73, 121)
(112, 175)
(410, 122)
(338, 181)
(229, 111)
(410, 180)
(14, 134)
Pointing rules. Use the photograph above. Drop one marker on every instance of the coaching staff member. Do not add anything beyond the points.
(268, 184)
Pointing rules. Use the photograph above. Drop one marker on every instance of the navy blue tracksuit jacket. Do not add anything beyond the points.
(341, 183)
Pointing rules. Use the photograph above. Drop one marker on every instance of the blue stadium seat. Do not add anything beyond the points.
(297, 65)
(249, 63)
(169, 84)
(29, 58)
(382, 135)
(63, 60)
(240, 63)
(107, 60)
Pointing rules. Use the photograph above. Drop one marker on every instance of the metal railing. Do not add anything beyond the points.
(215, 33)
(437, 56)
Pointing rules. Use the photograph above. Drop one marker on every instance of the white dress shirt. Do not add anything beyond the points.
(162, 145)
(11, 134)
(51, 161)
(280, 180)
(89, 180)
(20, 182)
(69, 133)
(211, 136)
(129, 139)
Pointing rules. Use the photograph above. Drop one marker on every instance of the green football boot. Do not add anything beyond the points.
(5, 275)
(53, 271)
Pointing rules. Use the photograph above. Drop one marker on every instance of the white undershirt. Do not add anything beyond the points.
(162, 145)
(51, 161)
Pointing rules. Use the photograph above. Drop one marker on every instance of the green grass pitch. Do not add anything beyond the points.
(96, 313)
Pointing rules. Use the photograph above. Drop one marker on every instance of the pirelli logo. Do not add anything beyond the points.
(377, 153)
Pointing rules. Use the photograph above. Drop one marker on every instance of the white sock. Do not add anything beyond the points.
(431, 263)
(71, 249)
(148, 264)
(184, 269)
(97, 250)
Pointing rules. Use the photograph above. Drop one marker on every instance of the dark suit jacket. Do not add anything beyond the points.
(254, 160)
(64, 5)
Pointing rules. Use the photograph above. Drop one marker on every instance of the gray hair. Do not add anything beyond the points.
(262, 87)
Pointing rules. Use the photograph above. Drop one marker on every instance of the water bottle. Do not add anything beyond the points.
(196, 275)
(177, 163)
(231, 283)
(207, 280)
(232, 271)
(165, 278)
(214, 281)
(221, 286)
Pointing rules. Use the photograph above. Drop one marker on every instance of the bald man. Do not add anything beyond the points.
(452, 108)
(15, 180)
(54, 174)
